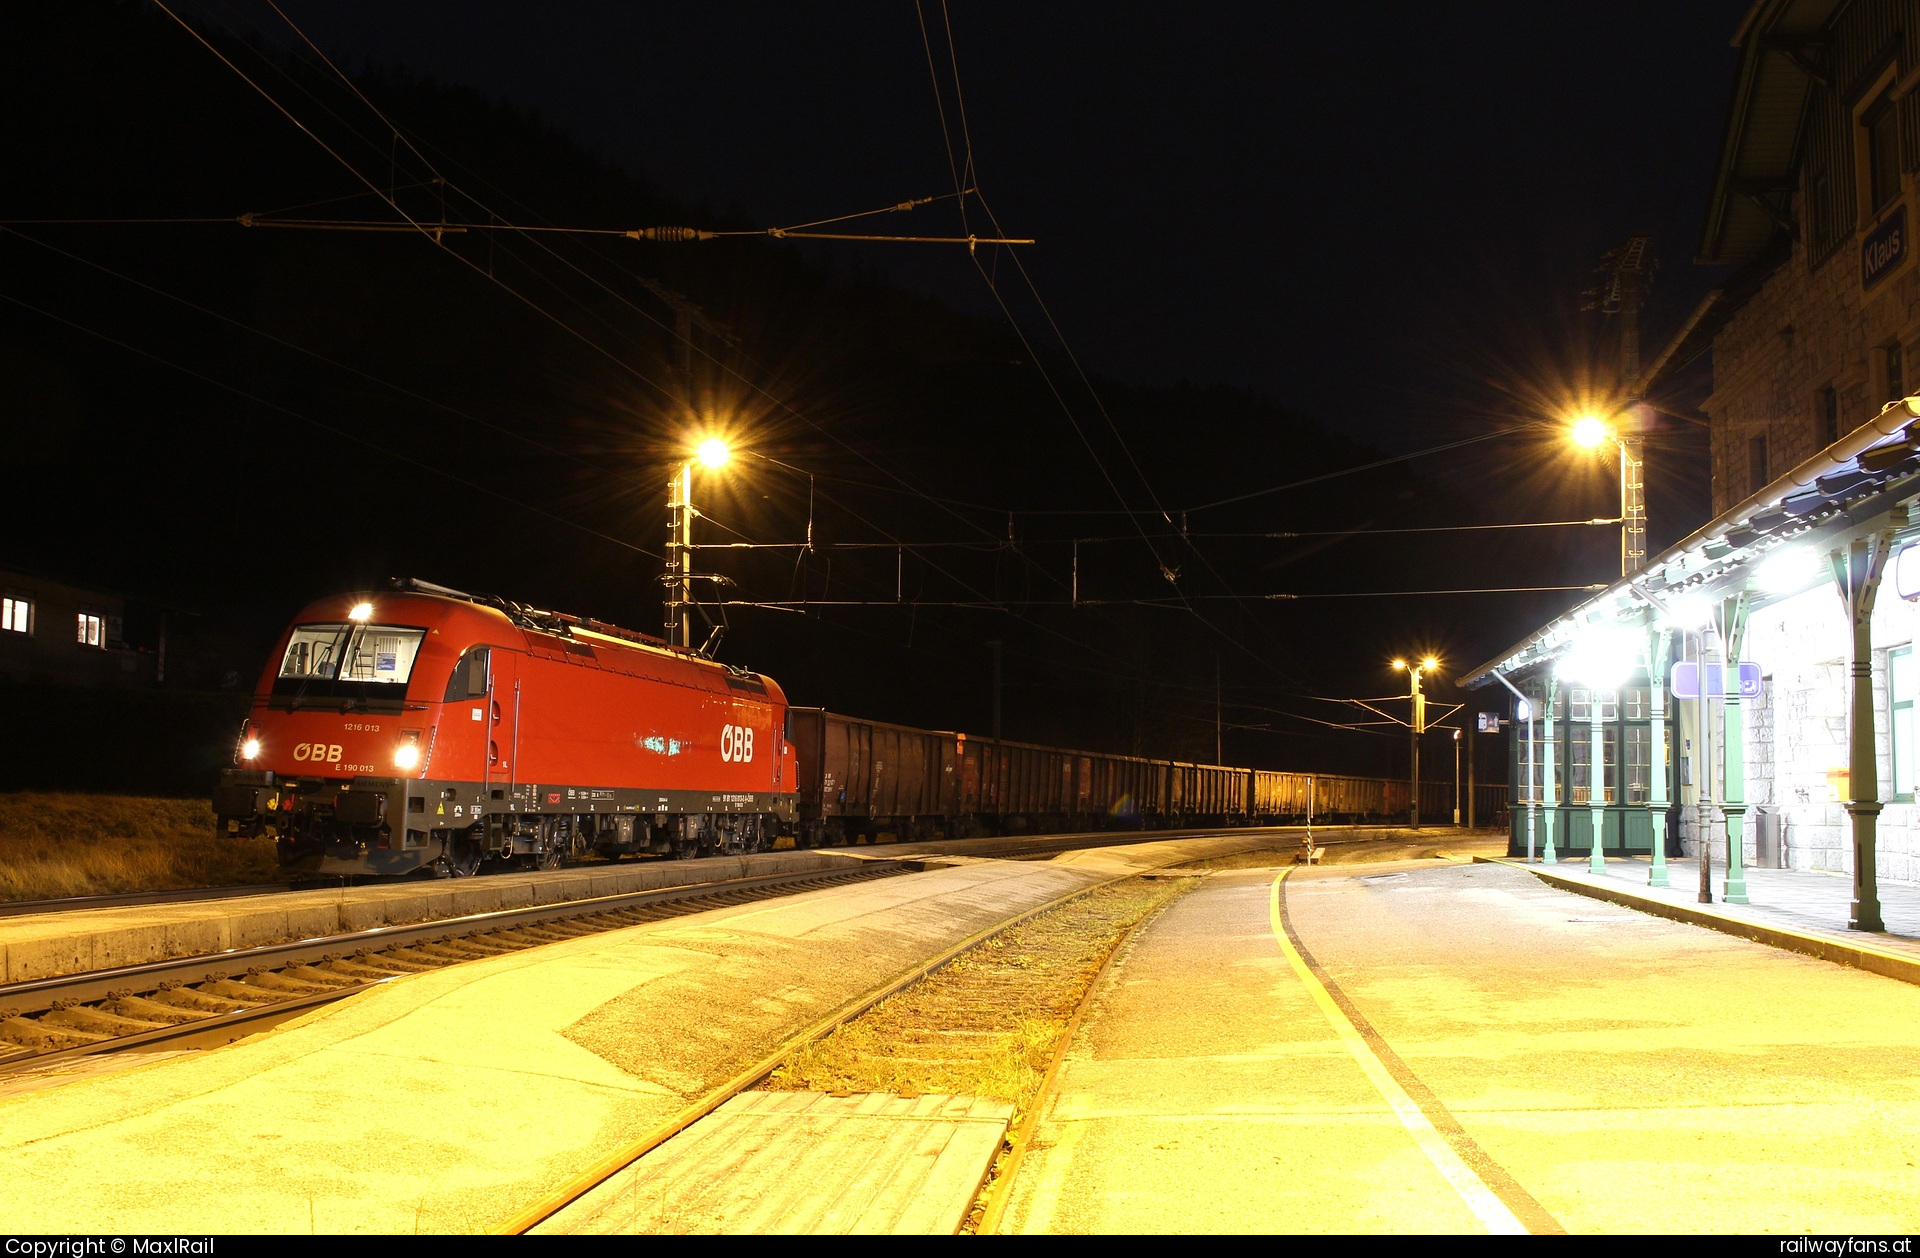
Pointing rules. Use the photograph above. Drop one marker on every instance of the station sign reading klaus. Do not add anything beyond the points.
(1885, 250)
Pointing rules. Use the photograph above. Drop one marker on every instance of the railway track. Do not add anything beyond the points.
(136, 1006)
(125, 899)
(987, 847)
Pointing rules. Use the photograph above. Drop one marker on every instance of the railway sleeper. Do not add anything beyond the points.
(142, 1009)
(321, 980)
(449, 951)
(403, 961)
(249, 996)
(361, 970)
(191, 1000)
(97, 1021)
(30, 1034)
(283, 984)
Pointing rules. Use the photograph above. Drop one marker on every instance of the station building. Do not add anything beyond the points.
(1790, 726)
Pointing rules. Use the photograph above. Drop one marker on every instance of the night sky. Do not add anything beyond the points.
(1281, 240)
(1346, 208)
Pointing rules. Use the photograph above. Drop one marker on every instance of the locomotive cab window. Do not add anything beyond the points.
(469, 680)
(352, 662)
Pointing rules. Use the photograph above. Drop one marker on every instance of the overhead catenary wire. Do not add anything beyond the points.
(422, 226)
(427, 230)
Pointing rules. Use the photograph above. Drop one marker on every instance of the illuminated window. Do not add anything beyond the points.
(1900, 709)
(16, 615)
(92, 630)
(1580, 704)
(1639, 762)
(1580, 766)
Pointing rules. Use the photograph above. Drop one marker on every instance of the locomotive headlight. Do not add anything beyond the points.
(250, 749)
(407, 754)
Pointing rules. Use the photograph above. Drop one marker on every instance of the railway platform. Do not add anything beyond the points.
(448, 1100)
(43, 945)
(1796, 909)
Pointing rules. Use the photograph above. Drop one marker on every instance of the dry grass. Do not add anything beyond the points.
(988, 1024)
(57, 844)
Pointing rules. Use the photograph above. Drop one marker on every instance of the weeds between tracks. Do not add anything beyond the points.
(988, 1024)
(65, 844)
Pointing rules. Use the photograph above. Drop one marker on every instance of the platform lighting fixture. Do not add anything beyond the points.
(713, 452)
(1689, 612)
(1415, 727)
(1789, 570)
(362, 612)
(1589, 431)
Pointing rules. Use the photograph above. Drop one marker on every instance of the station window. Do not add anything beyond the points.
(1580, 704)
(16, 615)
(1896, 362)
(1827, 415)
(1900, 687)
(1639, 762)
(1580, 766)
(93, 630)
(1757, 462)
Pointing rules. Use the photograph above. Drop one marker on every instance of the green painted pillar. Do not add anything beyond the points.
(1597, 783)
(1659, 649)
(1733, 799)
(1548, 788)
(1856, 577)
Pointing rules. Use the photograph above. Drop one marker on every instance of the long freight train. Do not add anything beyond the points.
(422, 728)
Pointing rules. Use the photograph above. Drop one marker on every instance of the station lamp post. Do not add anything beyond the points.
(1589, 432)
(1416, 727)
(711, 453)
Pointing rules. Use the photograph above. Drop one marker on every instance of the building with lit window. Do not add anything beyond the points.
(1792, 614)
(57, 634)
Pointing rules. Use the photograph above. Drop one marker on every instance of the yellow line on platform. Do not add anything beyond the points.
(1479, 1198)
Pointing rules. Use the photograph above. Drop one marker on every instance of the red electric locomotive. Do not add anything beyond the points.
(421, 728)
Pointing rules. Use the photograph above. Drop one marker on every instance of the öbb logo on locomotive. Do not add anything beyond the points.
(736, 744)
(328, 752)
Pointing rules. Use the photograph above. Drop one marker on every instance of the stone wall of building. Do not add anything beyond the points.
(1808, 328)
(1796, 751)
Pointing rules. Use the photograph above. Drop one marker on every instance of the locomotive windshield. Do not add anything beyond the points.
(353, 664)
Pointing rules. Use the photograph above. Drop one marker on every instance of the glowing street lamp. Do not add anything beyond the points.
(712, 452)
(1602, 658)
(1590, 432)
(1416, 727)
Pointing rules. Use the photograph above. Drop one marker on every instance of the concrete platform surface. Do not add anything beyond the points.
(806, 1163)
(42, 945)
(1599, 1070)
(1792, 908)
(449, 1100)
